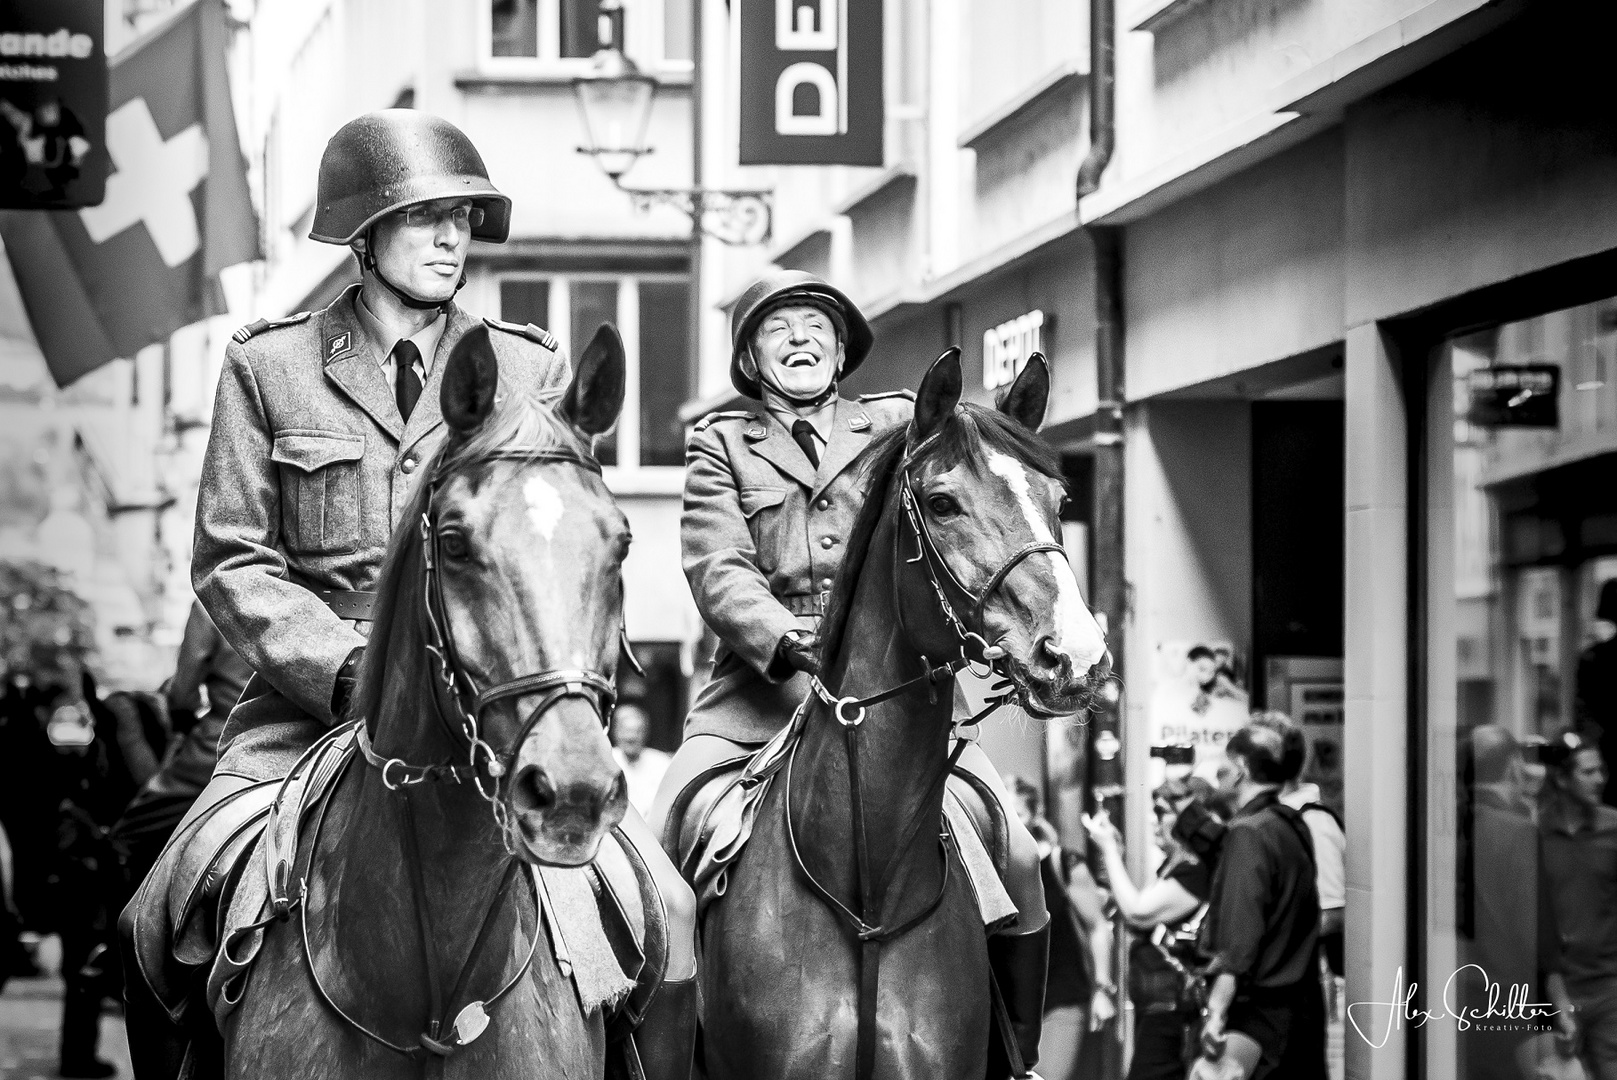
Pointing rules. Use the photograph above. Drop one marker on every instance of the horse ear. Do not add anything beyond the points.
(939, 394)
(470, 380)
(595, 396)
(1024, 402)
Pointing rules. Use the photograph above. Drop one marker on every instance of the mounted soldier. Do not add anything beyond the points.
(322, 422)
(771, 495)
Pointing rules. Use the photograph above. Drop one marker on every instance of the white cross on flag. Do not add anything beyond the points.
(108, 280)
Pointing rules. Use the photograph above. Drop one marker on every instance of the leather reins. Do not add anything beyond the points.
(850, 713)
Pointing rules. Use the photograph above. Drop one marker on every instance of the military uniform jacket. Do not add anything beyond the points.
(309, 465)
(762, 537)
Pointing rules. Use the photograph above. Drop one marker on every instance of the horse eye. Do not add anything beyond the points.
(942, 505)
(452, 542)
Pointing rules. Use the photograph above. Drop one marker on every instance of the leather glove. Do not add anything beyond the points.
(347, 677)
(797, 651)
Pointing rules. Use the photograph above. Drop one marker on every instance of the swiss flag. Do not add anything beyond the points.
(108, 280)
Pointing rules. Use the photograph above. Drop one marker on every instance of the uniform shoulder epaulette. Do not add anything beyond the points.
(536, 334)
(253, 329)
(713, 418)
(907, 395)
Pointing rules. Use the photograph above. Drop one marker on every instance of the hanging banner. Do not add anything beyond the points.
(811, 82)
(53, 104)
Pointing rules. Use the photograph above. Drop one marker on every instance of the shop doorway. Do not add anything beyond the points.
(1298, 502)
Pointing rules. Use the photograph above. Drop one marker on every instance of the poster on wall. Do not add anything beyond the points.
(1200, 701)
(811, 82)
(1309, 690)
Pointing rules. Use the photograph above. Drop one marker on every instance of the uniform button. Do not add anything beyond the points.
(408, 464)
(825, 583)
(823, 504)
(827, 541)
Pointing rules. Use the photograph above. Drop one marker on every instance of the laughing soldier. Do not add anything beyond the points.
(770, 498)
(322, 423)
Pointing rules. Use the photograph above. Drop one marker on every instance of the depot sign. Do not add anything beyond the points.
(1006, 348)
(811, 82)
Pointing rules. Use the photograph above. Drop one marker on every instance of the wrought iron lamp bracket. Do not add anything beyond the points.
(737, 218)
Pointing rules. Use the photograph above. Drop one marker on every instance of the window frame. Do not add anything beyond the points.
(628, 472)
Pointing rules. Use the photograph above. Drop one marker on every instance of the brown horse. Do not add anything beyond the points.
(490, 664)
(847, 942)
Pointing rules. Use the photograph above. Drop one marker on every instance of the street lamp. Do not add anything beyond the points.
(614, 102)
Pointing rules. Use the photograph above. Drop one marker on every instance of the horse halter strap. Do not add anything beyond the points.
(555, 684)
(942, 575)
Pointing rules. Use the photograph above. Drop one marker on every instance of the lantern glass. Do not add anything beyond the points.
(614, 103)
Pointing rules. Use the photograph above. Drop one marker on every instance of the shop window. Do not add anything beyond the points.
(653, 314)
(1523, 663)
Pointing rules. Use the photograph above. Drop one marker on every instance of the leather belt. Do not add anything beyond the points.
(346, 603)
(804, 603)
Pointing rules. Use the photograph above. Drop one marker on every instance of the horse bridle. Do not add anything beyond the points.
(469, 703)
(850, 713)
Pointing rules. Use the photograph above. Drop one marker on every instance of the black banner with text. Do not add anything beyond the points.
(811, 82)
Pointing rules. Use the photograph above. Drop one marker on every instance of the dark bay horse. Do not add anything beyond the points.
(955, 556)
(493, 651)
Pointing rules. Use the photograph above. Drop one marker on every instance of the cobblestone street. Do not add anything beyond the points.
(30, 1012)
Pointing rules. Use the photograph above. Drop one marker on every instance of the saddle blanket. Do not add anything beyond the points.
(220, 883)
(717, 811)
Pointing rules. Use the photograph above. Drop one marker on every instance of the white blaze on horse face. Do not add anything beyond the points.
(1077, 634)
(545, 507)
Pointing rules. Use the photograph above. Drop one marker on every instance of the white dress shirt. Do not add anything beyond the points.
(383, 342)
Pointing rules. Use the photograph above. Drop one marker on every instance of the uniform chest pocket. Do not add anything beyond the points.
(320, 490)
(764, 509)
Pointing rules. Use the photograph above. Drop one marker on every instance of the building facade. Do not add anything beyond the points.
(1365, 256)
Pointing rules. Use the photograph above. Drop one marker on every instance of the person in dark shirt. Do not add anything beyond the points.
(1265, 1004)
(1597, 682)
(1578, 906)
(1163, 917)
(1499, 871)
(206, 662)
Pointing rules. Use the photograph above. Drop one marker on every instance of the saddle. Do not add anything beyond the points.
(713, 816)
(197, 923)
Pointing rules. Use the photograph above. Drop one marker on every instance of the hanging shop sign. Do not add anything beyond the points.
(811, 82)
(1006, 348)
(1515, 395)
(53, 104)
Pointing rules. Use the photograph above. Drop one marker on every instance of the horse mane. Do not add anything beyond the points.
(526, 421)
(962, 438)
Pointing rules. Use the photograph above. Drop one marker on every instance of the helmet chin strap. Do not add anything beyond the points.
(367, 261)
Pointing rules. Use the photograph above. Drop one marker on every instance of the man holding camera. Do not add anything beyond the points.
(1265, 1007)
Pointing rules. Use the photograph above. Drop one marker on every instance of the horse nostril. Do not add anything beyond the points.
(1048, 650)
(533, 792)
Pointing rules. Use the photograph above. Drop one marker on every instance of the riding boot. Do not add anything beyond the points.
(1020, 964)
(666, 1037)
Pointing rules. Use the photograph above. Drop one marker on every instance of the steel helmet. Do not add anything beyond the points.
(384, 161)
(794, 287)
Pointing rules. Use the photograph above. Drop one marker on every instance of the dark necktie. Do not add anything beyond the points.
(406, 383)
(803, 432)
